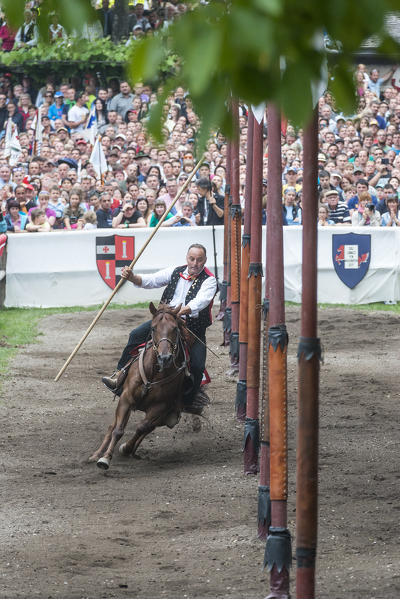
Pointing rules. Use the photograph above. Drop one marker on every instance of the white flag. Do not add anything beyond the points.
(7, 138)
(90, 132)
(38, 129)
(12, 147)
(98, 159)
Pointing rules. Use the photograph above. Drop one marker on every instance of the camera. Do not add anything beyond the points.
(183, 221)
(371, 207)
(385, 161)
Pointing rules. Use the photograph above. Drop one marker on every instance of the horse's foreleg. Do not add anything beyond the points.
(106, 441)
(155, 417)
(121, 420)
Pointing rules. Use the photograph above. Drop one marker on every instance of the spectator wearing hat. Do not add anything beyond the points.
(338, 211)
(56, 110)
(291, 180)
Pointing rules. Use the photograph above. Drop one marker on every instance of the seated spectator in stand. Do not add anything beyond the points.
(366, 214)
(323, 216)
(186, 218)
(338, 211)
(104, 214)
(39, 222)
(128, 218)
(73, 213)
(44, 197)
(160, 208)
(391, 218)
(291, 210)
(143, 206)
(90, 220)
(15, 219)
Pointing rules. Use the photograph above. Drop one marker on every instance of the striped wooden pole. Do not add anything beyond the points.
(252, 430)
(278, 546)
(309, 355)
(241, 390)
(235, 232)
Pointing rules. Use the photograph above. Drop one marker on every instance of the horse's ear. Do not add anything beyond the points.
(152, 308)
(176, 311)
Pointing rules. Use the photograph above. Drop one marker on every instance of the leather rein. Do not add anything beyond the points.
(151, 344)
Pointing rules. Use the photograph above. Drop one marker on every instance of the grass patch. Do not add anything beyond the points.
(19, 326)
(378, 306)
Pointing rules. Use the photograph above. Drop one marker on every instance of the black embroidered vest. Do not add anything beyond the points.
(197, 325)
(27, 35)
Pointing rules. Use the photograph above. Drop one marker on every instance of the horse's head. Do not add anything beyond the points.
(165, 333)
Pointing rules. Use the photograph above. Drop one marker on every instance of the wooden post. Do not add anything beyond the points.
(226, 283)
(241, 390)
(309, 355)
(252, 430)
(278, 546)
(236, 230)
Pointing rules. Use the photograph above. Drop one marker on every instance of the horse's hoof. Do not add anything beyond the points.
(103, 463)
(122, 449)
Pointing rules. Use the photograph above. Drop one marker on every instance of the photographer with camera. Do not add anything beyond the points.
(366, 214)
(210, 205)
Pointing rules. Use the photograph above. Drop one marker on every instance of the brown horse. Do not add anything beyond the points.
(154, 385)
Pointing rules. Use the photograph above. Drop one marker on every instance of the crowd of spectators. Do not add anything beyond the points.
(143, 18)
(55, 186)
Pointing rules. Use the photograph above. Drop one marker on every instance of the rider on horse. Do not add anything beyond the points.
(193, 286)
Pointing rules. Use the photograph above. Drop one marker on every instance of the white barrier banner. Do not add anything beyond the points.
(60, 269)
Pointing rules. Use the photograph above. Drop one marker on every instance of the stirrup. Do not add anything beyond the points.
(111, 381)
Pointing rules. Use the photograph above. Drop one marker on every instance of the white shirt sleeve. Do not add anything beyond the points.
(161, 278)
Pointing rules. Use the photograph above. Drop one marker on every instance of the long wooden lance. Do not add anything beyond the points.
(252, 428)
(241, 389)
(226, 310)
(236, 231)
(278, 547)
(309, 355)
(132, 264)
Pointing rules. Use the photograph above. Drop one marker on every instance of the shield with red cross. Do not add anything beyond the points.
(113, 252)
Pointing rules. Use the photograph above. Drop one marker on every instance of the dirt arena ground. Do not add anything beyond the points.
(181, 520)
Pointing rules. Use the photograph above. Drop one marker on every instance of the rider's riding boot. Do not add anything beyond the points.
(111, 381)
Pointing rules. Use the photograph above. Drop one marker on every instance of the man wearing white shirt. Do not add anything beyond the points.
(78, 114)
(193, 287)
